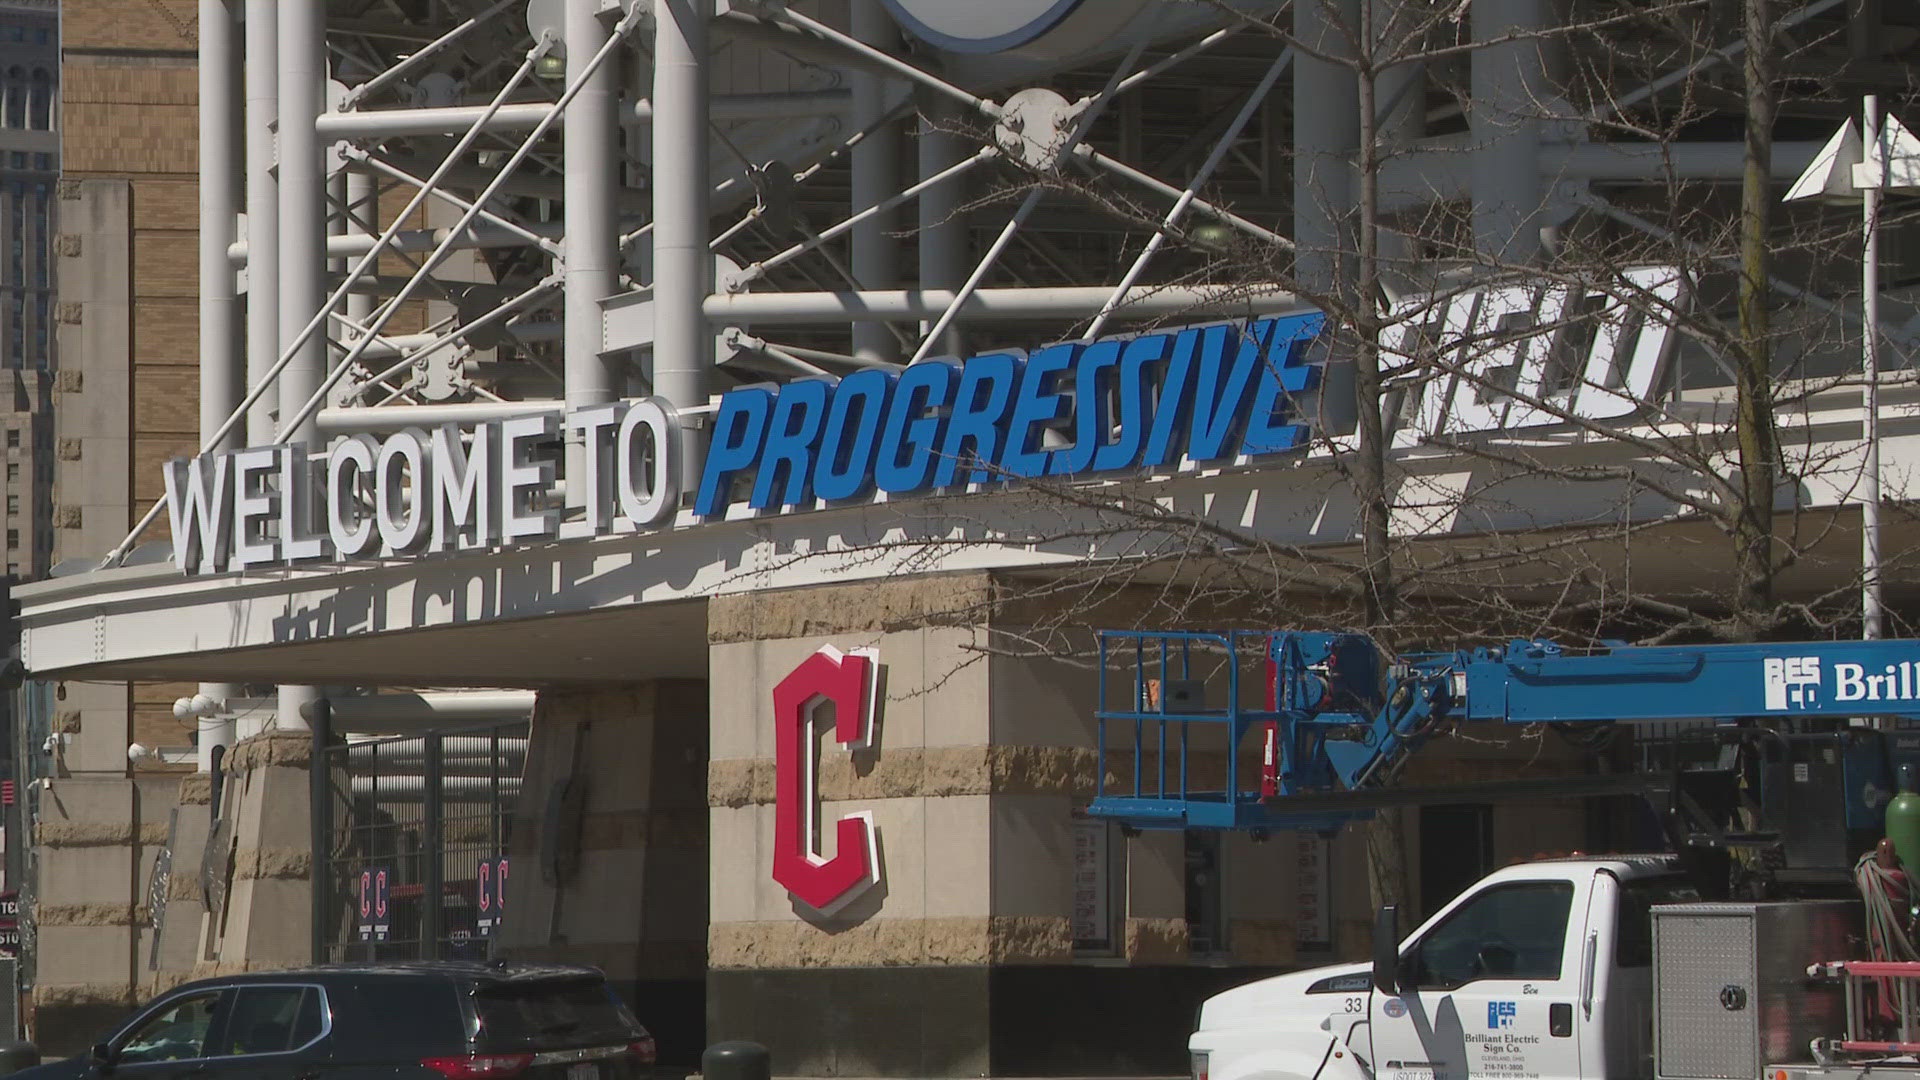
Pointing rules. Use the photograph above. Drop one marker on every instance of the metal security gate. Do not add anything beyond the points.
(413, 838)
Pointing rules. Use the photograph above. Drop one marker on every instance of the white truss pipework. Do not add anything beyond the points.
(760, 269)
(449, 120)
(377, 418)
(439, 254)
(1220, 148)
(1180, 57)
(257, 391)
(591, 128)
(815, 308)
(795, 105)
(483, 235)
(222, 366)
(432, 188)
(413, 59)
(1089, 111)
(263, 215)
(1094, 157)
(303, 202)
(364, 347)
(454, 119)
(893, 63)
(682, 265)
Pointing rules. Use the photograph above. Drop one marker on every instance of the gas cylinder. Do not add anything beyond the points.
(1903, 821)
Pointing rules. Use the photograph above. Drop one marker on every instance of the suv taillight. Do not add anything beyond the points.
(479, 1066)
(643, 1049)
(1198, 1063)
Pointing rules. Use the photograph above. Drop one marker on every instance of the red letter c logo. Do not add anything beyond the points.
(847, 682)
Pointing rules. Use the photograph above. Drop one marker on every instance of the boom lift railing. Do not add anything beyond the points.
(1337, 722)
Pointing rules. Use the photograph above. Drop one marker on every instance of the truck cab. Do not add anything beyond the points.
(1542, 971)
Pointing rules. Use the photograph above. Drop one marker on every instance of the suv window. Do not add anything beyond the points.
(1514, 931)
(413, 1018)
(1633, 939)
(175, 1033)
(273, 1019)
(550, 1012)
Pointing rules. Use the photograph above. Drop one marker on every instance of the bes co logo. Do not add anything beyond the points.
(849, 683)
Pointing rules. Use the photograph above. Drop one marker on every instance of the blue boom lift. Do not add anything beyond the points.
(1265, 731)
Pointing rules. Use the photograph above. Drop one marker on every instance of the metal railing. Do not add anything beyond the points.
(412, 843)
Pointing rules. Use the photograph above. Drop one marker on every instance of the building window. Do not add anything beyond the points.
(42, 36)
(42, 100)
(13, 538)
(13, 438)
(17, 160)
(13, 471)
(16, 98)
(43, 162)
(13, 505)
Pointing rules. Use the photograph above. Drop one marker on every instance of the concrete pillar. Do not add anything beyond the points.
(263, 210)
(267, 919)
(1326, 135)
(633, 900)
(875, 169)
(1508, 89)
(973, 773)
(682, 266)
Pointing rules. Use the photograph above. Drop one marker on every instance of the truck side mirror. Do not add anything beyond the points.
(1386, 949)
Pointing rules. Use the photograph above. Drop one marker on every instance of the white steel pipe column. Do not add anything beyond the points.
(1509, 90)
(303, 204)
(222, 364)
(263, 209)
(591, 126)
(875, 174)
(1326, 135)
(944, 260)
(682, 266)
(303, 247)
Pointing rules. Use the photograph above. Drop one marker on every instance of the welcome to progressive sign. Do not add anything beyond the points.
(1202, 395)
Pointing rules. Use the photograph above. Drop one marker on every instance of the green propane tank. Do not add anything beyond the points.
(1903, 821)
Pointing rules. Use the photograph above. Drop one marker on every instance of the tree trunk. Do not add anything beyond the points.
(1752, 519)
(1387, 877)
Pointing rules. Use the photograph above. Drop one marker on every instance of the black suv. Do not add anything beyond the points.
(457, 1021)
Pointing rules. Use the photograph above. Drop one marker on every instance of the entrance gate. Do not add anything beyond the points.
(412, 839)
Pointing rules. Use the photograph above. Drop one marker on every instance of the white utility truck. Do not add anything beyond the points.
(1774, 942)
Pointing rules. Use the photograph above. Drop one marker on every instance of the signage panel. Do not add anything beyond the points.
(1498, 359)
(849, 682)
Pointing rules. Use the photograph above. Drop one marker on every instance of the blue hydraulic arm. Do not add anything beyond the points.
(1244, 730)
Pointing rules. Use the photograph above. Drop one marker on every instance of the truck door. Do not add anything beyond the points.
(1490, 987)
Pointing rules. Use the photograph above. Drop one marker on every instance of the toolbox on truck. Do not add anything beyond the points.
(1731, 994)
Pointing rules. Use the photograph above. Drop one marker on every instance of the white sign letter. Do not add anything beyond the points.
(526, 475)
(648, 469)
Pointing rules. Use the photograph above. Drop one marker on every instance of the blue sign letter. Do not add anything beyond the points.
(787, 457)
(843, 469)
(914, 422)
(1039, 402)
(986, 388)
(736, 445)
